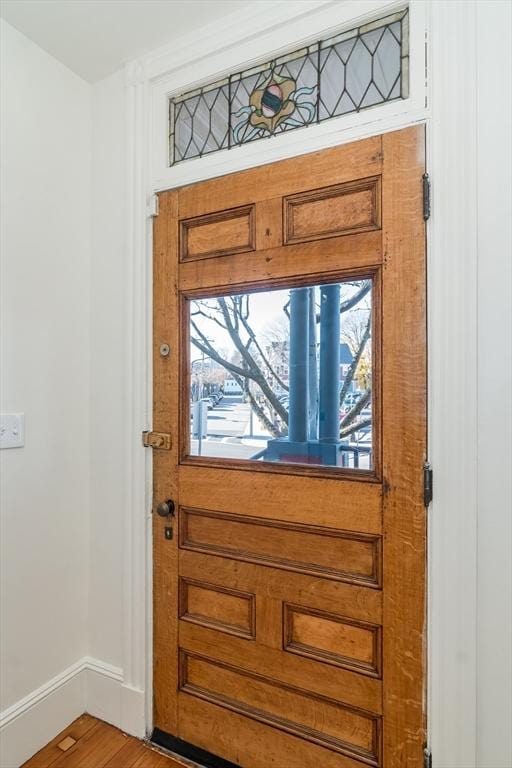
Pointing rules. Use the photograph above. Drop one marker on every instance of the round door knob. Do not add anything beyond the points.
(165, 508)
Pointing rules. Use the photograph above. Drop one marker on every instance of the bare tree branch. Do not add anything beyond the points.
(355, 427)
(254, 371)
(356, 410)
(262, 354)
(355, 361)
(263, 416)
(210, 352)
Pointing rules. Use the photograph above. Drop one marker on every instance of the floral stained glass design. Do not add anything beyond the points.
(348, 72)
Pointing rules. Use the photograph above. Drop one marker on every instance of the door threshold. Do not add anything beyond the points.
(195, 756)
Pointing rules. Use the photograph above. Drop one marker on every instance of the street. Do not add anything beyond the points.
(229, 434)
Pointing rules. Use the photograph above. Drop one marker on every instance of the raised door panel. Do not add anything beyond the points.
(330, 553)
(318, 719)
(342, 209)
(222, 608)
(331, 638)
(217, 234)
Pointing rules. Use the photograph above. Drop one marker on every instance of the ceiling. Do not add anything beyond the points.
(96, 37)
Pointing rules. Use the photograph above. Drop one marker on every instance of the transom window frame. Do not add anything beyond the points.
(182, 72)
(298, 88)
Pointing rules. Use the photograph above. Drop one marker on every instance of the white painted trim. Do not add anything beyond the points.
(137, 620)
(36, 697)
(109, 698)
(452, 238)
(102, 668)
(37, 723)
(448, 110)
(89, 685)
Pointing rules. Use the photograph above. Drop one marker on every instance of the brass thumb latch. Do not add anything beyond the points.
(159, 440)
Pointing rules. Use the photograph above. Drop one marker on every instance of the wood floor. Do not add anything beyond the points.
(90, 743)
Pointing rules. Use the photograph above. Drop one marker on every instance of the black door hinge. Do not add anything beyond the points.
(426, 196)
(427, 483)
(427, 758)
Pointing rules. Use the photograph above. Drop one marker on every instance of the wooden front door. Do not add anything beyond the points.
(289, 584)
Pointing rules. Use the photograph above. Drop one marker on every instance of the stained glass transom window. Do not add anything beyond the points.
(351, 71)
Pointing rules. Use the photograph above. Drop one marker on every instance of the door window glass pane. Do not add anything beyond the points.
(283, 376)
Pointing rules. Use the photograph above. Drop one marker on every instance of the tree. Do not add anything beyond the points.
(257, 359)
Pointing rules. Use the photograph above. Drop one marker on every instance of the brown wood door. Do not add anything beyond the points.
(289, 586)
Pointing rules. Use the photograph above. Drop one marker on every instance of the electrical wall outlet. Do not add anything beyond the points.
(12, 430)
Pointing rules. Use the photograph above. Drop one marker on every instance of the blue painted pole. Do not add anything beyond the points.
(313, 370)
(329, 422)
(299, 352)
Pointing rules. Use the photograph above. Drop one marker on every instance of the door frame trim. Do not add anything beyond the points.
(451, 156)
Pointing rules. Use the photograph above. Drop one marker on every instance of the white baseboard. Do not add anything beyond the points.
(89, 686)
(33, 721)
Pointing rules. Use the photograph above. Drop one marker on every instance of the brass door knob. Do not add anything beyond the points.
(165, 508)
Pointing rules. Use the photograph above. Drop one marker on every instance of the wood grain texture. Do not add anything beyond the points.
(99, 745)
(342, 209)
(245, 741)
(404, 448)
(307, 674)
(347, 505)
(350, 599)
(217, 234)
(332, 638)
(95, 749)
(318, 719)
(330, 553)
(222, 608)
(296, 584)
(51, 751)
(165, 486)
(336, 165)
(312, 259)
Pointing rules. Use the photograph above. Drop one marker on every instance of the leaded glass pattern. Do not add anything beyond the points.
(351, 71)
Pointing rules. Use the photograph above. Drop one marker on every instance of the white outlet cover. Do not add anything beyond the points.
(12, 430)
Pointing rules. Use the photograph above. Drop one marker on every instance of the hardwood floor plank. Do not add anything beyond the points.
(95, 749)
(51, 752)
(99, 745)
(127, 755)
(152, 759)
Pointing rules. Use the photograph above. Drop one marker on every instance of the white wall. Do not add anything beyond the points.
(108, 388)
(494, 559)
(45, 365)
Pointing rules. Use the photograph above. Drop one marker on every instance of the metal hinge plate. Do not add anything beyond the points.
(426, 196)
(427, 758)
(427, 484)
(158, 440)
